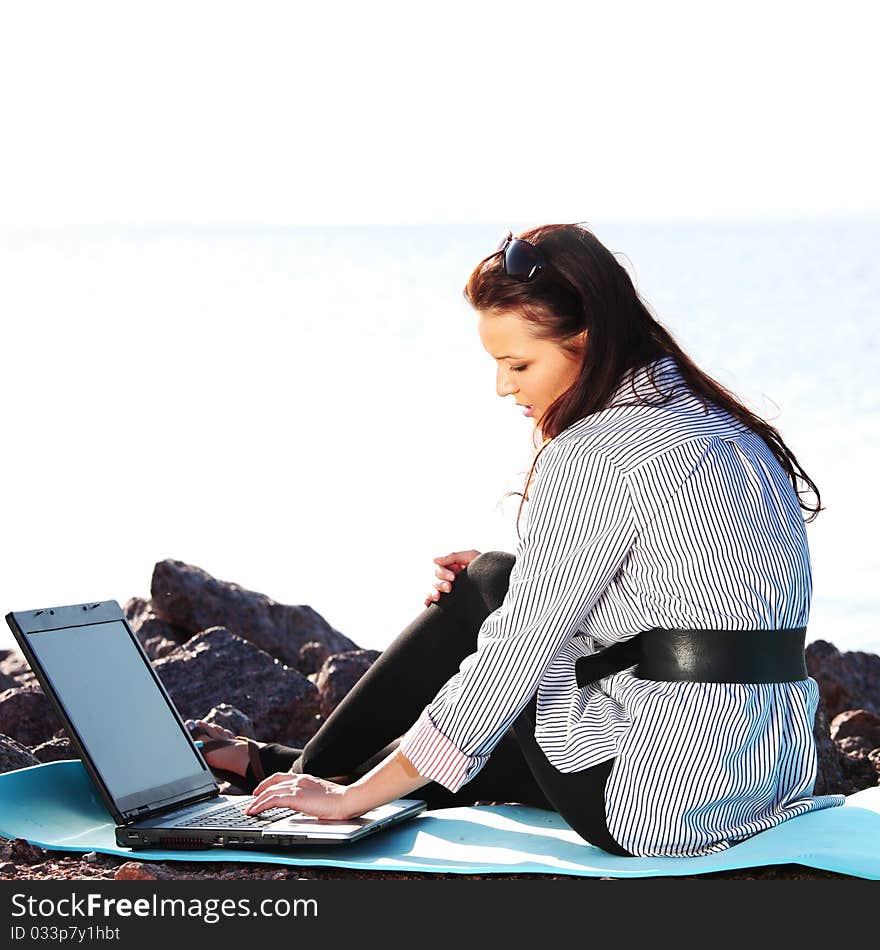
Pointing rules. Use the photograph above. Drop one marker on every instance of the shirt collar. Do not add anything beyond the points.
(666, 377)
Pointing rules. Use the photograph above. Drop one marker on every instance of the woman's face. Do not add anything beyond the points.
(535, 372)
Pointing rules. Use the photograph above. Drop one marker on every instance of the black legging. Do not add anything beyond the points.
(389, 697)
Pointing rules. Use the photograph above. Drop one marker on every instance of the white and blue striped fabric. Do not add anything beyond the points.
(641, 516)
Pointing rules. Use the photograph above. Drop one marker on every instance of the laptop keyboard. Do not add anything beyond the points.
(233, 816)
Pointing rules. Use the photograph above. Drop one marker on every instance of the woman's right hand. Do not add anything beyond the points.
(448, 568)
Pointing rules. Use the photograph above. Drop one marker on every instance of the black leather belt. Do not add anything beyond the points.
(705, 656)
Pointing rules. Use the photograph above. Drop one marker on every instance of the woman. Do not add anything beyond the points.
(638, 664)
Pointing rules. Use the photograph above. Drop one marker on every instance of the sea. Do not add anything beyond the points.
(308, 412)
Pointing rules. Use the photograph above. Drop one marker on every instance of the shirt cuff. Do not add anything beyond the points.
(436, 757)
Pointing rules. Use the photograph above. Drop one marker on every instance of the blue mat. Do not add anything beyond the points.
(57, 807)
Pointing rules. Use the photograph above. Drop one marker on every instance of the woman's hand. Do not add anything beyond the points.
(448, 568)
(306, 793)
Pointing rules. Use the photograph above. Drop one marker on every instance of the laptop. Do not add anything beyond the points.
(142, 759)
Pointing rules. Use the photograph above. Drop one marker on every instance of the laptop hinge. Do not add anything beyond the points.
(144, 811)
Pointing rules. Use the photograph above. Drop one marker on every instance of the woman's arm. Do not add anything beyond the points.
(394, 777)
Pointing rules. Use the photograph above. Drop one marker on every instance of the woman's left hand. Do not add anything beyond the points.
(306, 793)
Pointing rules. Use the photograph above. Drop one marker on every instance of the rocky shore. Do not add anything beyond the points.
(275, 672)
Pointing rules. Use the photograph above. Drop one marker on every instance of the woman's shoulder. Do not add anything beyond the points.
(611, 432)
(569, 457)
(637, 431)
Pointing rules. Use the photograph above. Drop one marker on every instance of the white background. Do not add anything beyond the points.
(263, 416)
(287, 113)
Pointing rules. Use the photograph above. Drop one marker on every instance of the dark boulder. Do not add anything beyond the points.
(856, 735)
(9, 665)
(13, 755)
(216, 666)
(13, 664)
(21, 851)
(27, 715)
(134, 606)
(857, 723)
(338, 675)
(829, 773)
(858, 773)
(312, 656)
(157, 637)
(192, 600)
(144, 871)
(55, 750)
(846, 681)
(845, 765)
(853, 745)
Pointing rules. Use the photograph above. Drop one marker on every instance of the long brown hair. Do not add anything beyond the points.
(585, 288)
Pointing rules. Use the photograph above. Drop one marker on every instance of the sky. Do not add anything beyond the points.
(175, 118)
(274, 114)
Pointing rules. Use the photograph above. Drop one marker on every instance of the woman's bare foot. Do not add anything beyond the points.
(231, 758)
(234, 757)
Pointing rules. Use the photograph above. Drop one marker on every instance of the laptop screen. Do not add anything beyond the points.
(122, 717)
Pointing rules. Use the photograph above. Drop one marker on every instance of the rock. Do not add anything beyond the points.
(856, 735)
(216, 667)
(857, 722)
(8, 682)
(846, 680)
(829, 772)
(90, 857)
(339, 674)
(853, 745)
(141, 871)
(858, 773)
(157, 637)
(10, 658)
(23, 852)
(134, 606)
(13, 664)
(311, 657)
(27, 715)
(231, 718)
(191, 599)
(55, 749)
(13, 755)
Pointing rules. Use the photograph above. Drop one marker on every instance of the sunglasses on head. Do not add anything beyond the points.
(522, 261)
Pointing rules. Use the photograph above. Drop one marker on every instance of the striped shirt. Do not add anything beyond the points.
(641, 516)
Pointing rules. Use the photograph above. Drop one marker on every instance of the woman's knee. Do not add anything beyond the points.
(490, 573)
